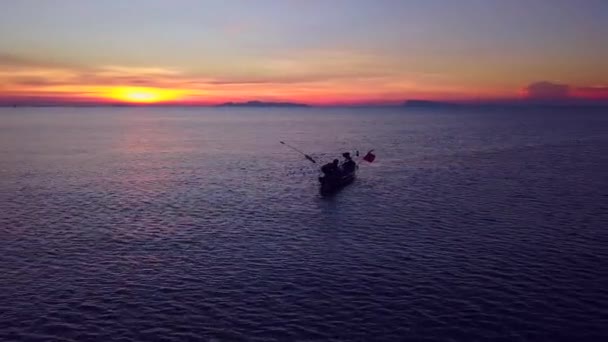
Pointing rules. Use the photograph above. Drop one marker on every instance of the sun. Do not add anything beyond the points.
(143, 94)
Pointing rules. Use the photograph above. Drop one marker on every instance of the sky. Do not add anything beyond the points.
(315, 51)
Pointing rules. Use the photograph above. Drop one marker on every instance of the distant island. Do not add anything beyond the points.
(262, 104)
(427, 104)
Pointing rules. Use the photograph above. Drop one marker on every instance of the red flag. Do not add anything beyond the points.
(369, 157)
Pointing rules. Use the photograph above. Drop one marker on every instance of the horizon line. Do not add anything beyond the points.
(291, 105)
(258, 102)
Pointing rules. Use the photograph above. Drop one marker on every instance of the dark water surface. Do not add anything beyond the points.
(196, 224)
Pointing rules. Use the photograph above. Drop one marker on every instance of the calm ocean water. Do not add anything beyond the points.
(138, 224)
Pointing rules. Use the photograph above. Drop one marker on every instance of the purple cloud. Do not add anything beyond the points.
(547, 91)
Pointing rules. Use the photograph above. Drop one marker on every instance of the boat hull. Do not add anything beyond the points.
(332, 185)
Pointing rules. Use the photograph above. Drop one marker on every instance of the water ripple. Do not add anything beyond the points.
(214, 234)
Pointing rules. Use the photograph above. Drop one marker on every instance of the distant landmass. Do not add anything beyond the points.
(521, 103)
(262, 104)
(427, 104)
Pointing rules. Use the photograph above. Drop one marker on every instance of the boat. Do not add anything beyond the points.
(334, 176)
(331, 184)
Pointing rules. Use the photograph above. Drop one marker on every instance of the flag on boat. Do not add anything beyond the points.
(369, 157)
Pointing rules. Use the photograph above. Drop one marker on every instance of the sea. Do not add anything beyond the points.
(197, 224)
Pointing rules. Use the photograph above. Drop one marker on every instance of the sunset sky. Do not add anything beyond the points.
(313, 51)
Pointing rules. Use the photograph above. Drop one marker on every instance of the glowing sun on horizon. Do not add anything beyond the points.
(143, 95)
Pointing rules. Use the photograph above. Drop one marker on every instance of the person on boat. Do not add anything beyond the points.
(331, 169)
(349, 164)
